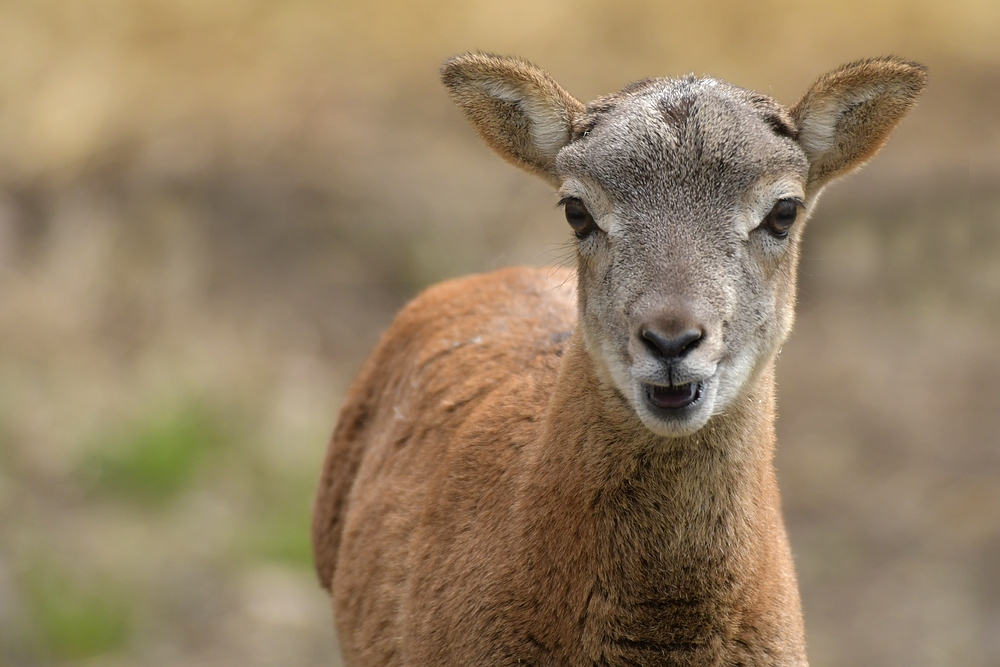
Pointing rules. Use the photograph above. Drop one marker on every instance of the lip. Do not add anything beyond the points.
(673, 398)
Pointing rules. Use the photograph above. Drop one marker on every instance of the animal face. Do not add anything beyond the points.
(689, 198)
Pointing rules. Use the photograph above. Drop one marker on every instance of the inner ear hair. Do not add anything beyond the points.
(516, 107)
(848, 114)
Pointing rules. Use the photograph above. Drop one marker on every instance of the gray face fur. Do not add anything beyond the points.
(684, 296)
(679, 175)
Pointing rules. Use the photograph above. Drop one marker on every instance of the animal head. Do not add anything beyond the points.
(688, 199)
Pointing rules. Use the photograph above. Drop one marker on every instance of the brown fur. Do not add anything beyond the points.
(495, 494)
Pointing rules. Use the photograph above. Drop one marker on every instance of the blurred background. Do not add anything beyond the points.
(209, 210)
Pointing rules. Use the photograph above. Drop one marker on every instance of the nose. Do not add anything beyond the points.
(671, 337)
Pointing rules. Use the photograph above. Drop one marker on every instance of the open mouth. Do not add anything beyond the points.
(673, 397)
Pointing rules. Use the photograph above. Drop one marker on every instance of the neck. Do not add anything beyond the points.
(728, 460)
(682, 534)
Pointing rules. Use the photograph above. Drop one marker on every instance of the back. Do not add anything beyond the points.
(474, 354)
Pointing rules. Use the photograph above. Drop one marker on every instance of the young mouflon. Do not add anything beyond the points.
(550, 468)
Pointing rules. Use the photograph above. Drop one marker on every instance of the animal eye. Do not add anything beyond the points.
(578, 217)
(782, 217)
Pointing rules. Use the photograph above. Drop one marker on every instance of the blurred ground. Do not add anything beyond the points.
(210, 210)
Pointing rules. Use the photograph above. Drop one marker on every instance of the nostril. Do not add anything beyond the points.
(671, 346)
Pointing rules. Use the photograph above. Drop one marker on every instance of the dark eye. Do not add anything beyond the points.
(782, 217)
(578, 217)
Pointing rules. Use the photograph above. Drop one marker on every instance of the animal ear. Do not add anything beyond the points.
(849, 113)
(518, 109)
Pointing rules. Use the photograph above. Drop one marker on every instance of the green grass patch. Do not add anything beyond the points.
(280, 530)
(284, 539)
(155, 459)
(72, 621)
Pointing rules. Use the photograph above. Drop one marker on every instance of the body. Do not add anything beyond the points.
(575, 468)
(475, 485)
